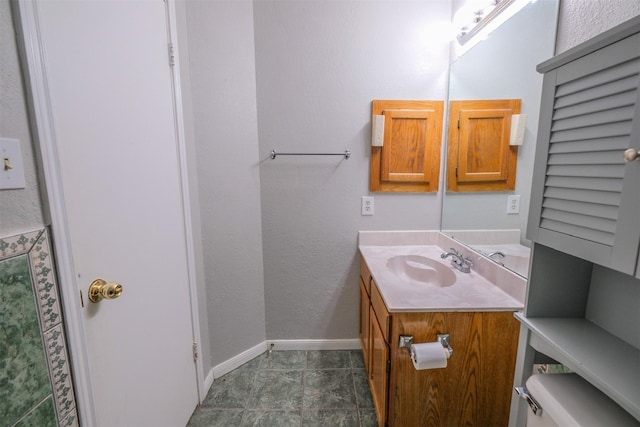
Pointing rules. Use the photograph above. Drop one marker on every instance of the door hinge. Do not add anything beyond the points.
(172, 56)
(388, 366)
(195, 351)
(458, 123)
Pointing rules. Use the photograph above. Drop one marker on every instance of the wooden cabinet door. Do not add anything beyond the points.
(479, 155)
(378, 375)
(474, 389)
(585, 199)
(409, 160)
(365, 326)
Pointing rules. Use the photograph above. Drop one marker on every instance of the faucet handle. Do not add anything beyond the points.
(453, 252)
(467, 263)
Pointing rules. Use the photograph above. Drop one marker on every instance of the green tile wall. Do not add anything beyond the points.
(24, 379)
(44, 415)
(35, 377)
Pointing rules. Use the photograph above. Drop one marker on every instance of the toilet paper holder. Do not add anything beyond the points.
(407, 340)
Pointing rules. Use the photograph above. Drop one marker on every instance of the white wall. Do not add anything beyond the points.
(319, 65)
(222, 63)
(20, 210)
(580, 20)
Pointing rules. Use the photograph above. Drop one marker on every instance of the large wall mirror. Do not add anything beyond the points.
(503, 66)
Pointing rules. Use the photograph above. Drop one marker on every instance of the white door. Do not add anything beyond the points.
(110, 87)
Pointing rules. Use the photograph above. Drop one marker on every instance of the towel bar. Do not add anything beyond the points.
(346, 154)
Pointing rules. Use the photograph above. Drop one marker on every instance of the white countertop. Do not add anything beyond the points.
(470, 292)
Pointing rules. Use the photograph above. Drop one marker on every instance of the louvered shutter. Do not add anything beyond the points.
(587, 197)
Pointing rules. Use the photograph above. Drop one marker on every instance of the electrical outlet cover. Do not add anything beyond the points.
(513, 204)
(367, 205)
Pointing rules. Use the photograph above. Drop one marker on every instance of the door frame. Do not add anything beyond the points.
(31, 48)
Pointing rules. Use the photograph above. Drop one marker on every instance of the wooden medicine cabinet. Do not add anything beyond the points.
(480, 157)
(406, 156)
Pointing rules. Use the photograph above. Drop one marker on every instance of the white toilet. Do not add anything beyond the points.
(568, 400)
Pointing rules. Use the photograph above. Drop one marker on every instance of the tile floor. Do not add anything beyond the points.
(291, 388)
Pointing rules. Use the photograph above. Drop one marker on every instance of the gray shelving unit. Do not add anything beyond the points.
(585, 221)
(604, 360)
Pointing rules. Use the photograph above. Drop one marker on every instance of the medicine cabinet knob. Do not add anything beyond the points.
(631, 154)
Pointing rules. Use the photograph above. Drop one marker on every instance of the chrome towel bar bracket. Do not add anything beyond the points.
(346, 154)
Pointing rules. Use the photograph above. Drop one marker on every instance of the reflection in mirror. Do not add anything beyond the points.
(503, 67)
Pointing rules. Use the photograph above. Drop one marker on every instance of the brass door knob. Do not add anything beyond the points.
(101, 289)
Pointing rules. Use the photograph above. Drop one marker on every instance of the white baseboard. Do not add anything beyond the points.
(239, 360)
(353, 344)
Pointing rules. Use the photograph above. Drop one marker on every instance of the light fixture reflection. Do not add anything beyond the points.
(479, 18)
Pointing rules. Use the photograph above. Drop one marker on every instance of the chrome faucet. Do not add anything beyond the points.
(497, 254)
(458, 261)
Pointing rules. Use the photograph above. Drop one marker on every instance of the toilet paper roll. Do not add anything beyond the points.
(431, 355)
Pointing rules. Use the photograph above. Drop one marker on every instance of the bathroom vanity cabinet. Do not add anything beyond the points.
(375, 341)
(584, 287)
(474, 388)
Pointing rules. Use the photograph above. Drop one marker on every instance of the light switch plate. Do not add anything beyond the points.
(11, 167)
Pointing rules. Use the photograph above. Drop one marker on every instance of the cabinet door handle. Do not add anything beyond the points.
(631, 154)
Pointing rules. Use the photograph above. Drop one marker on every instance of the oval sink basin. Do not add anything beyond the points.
(421, 269)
